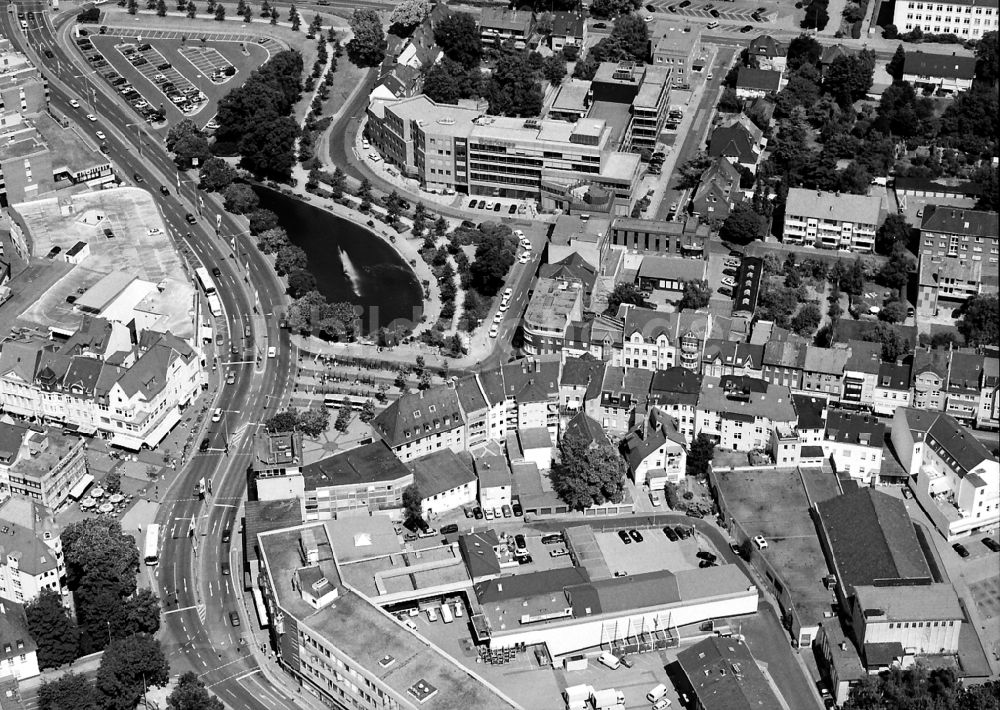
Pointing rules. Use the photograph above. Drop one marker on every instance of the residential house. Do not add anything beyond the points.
(956, 479)
(723, 357)
(498, 25)
(718, 190)
(853, 443)
(823, 370)
(418, 424)
(18, 651)
(811, 415)
(669, 273)
(946, 282)
(655, 340)
(585, 429)
(963, 389)
(495, 479)
(445, 480)
(419, 50)
(483, 422)
(756, 83)
(782, 362)
(930, 378)
(531, 394)
(580, 382)
(740, 142)
(832, 220)
(742, 412)
(655, 451)
(600, 337)
(367, 478)
(892, 388)
(765, 52)
(861, 374)
(568, 29)
(31, 556)
(675, 391)
(397, 82)
(554, 305)
(954, 231)
(988, 415)
(940, 72)
(833, 52)
(624, 392)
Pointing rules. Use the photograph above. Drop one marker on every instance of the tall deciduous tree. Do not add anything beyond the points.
(980, 320)
(696, 295)
(459, 38)
(448, 81)
(848, 78)
(803, 49)
(408, 14)
(588, 473)
(412, 503)
(512, 88)
(70, 690)
(988, 58)
(895, 230)
(188, 144)
(240, 198)
(53, 629)
(127, 665)
(742, 226)
(367, 48)
(625, 293)
(190, 694)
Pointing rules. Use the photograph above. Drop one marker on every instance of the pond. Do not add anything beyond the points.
(350, 263)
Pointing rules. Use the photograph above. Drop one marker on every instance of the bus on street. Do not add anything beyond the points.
(336, 401)
(152, 555)
(205, 280)
(215, 305)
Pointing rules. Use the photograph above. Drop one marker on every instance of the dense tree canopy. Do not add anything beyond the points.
(625, 292)
(918, 688)
(988, 58)
(588, 473)
(980, 320)
(742, 226)
(512, 89)
(367, 47)
(53, 629)
(126, 666)
(459, 38)
(216, 175)
(696, 295)
(803, 49)
(188, 144)
(895, 230)
(70, 690)
(613, 8)
(494, 257)
(448, 81)
(190, 694)
(848, 78)
(408, 14)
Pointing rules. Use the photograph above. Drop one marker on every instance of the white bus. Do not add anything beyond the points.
(207, 285)
(336, 401)
(446, 613)
(258, 604)
(152, 555)
(215, 305)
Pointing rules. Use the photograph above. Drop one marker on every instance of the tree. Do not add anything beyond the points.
(816, 16)
(894, 231)
(267, 148)
(290, 258)
(240, 198)
(696, 295)
(190, 694)
(412, 504)
(296, 21)
(554, 69)
(670, 493)
(274, 16)
(161, 8)
(132, 7)
(895, 273)
(192, 10)
(893, 345)
(314, 421)
(631, 33)
(742, 226)
(625, 293)
(300, 282)
(988, 58)
(271, 240)
(494, 257)
(70, 690)
(605, 9)
(141, 614)
(918, 687)
(262, 220)
(895, 66)
(980, 320)
(691, 171)
(803, 49)
(113, 481)
(588, 473)
(367, 48)
(53, 629)
(282, 422)
(700, 455)
(367, 411)
(459, 38)
(216, 175)
(127, 666)
(807, 319)
(893, 312)
(512, 89)
(586, 68)
(220, 13)
(407, 15)
(848, 78)
(188, 144)
(447, 81)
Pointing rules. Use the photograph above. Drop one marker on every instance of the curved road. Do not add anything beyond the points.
(196, 596)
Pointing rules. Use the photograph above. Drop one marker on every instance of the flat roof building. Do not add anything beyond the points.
(832, 220)
(554, 305)
(370, 477)
(968, 19)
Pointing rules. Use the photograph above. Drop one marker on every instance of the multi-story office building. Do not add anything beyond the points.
(23, 90)
(461, 149)
(554, 305)
(946, 282)
(832, 220)
(25, 161)
(366, 478)
(958, 232)
(275, 471)
(32, 557)
(676, 47)
(645, 90)
(46, 465)
(969, 19)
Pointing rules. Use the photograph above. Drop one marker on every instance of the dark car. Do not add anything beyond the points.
(234, 618)
(746, 28)
(683, 532)
(520, 543)
(651, 8)
(524, 559)
(145, 47)
(714, 13)
(216, 271)
(227, 535)
(191, 219)
(473, 204)
(477, 513)
(991, 544)
(600, 26)
(203, 446)
(517, 509)
(960, 549)
(164, 66)
(512, 209)
(706, 563)
(164, 190)
(448, 529)
(704, 555)
(138, 178)
(553, 539)
(635, 535)
(725, 291)
(671, 535)
(624, 537)
(497, 206)
(49, 54)
(625, 661)
(225, 569)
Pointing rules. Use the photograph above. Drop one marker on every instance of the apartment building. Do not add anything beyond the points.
(18, 651)
(623, 400)
(782, 362)
(946, 282)
(969, 19)
(275, 470)
(31, 557)
(940, 72)
(676, 47)
(830, 220)
(757, 83)
(554, 305)
(687, 237)
(861, 374)
(988, 416)
(654, 340)
(954, 231)
(133, 399)
(367, 478)
(930, 378)
(655, 451)
(892, 388)
(743, 412)
(579, 382)
(446, 481)
(461, 149)
(724, 357)
(421, 423)
(962, 395)
(346, 650)
(25, 161)
(956, 479)
(823, 370)
(675, 391)
(498, 25)
(43, 464)
(853, 443)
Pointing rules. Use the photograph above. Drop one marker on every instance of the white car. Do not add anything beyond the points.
(526, 245)
(74, 103)
(524, 258)
(91, 117)
(217, 415)
(508, 292)
(365, 144)
(100, 135)
(731, 262)
(410, 625)
(375, 157)
(503, 306)
(272, 351)
(498, 318)
(519, 234)
(494, 330)
(729, 281)
(759, 542)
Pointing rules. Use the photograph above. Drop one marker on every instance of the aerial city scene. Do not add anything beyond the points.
(482, 355)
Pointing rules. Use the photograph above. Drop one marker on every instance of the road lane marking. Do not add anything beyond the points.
(185, 608)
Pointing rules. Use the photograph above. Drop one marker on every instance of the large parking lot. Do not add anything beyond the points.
(655, 552)
(171, 78)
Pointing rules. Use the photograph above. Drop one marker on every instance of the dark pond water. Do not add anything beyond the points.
(349, 262)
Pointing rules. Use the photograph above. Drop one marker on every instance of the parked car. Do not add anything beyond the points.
(705, 555)
(520, 543)
(448, 529)
(635, 535)
(517, 509)
(553, 539)
(683, 531)
(477, 513)
(558, 552)
(669, 532)
(991, 544)
(759, 542)
(624, 537)
(960, 549)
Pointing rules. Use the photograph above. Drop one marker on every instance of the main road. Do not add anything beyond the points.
(197, 597)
